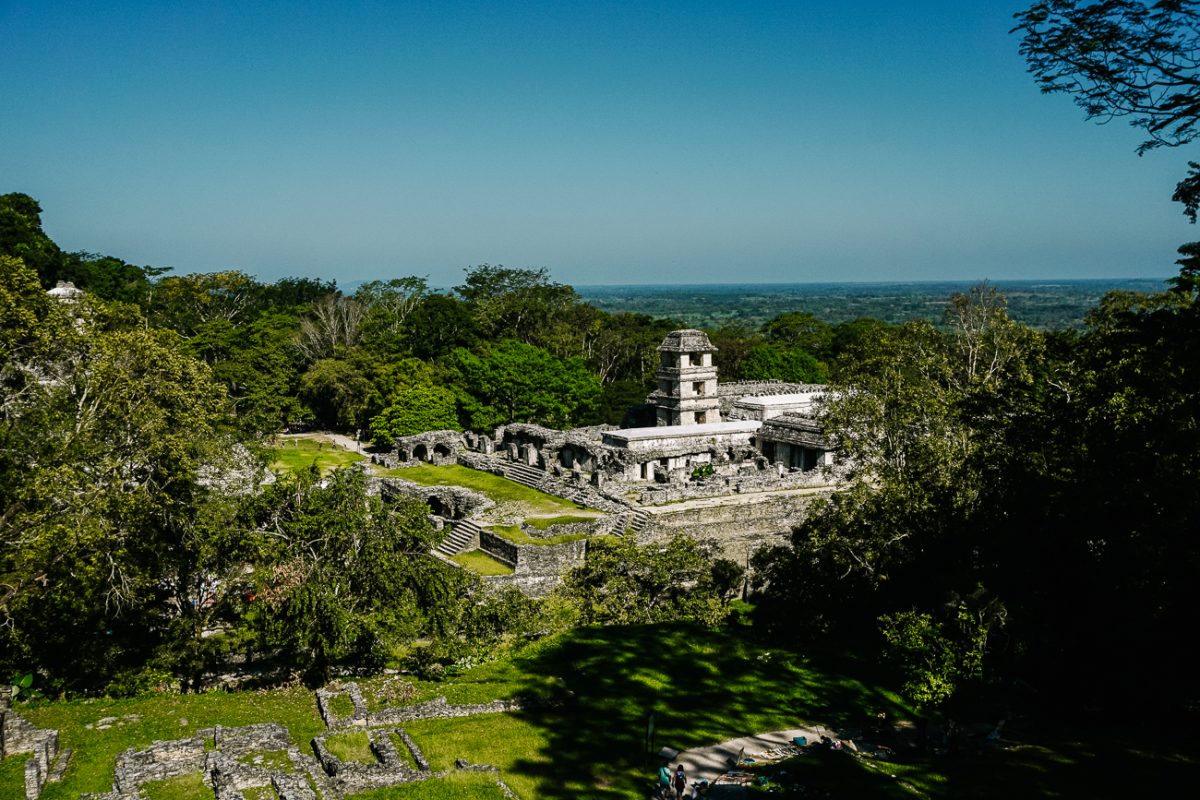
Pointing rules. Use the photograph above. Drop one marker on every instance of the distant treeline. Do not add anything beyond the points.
(1040, 304)
(1019, 519)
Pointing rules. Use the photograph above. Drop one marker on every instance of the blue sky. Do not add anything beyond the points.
(613, 142)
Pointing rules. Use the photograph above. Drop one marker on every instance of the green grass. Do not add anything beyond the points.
(497, 488)
(514, 534)
(182, 787)
(351, 746)
(481, 563)
(296, 454)
(12, 776)
(341, 705)
(158, 717)
(588, 739)
(456, 786)
(542, 523)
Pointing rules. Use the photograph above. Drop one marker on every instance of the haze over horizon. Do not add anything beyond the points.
(614, 143)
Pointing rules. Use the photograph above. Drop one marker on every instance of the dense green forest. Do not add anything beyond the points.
(1019, 522)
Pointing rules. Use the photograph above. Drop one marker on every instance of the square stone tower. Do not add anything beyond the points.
(687, 380)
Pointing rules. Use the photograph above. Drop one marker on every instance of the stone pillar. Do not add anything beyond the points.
(33, 779)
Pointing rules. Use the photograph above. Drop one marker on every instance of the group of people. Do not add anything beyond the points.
(673, 784)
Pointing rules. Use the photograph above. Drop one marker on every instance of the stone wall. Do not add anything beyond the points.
(740, 526)
(449, 502)
(18, 735)
(537, 568)
(768, 480)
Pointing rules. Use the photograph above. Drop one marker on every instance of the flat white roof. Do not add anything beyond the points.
(779, 399)
(682, 431)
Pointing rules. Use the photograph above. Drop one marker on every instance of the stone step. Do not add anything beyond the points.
(459, 539)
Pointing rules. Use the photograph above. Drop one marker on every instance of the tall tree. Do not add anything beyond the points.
(346, 575)
(1123, 58)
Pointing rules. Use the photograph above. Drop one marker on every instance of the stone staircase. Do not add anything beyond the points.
(639, 521)
(525, 475)
(462, 534)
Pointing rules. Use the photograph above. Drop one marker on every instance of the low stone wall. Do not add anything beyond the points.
(717, 486)
(438, 708)
(591, 527)
(578, 489)
(226, 758)
(499, 548)
(352, 777)
(450, 502)
(740, 527)
(18, 735)
(537, 568)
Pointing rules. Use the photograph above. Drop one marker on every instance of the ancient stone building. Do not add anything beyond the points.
(687, 380)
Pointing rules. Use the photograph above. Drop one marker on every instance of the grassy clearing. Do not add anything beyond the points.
(703, 686)
(182, 787)
(457, 786)
(298, 453)
(497, 488)
(12, 776)
(481, 563)
(341, 705)
(352, 746)
(514, 534)
(144, 719)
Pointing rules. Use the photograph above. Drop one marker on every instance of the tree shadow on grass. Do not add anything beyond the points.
(703, 687)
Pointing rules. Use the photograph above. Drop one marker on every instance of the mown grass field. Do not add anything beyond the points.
(298, 453)
(502, 490)
(514, 534)
(586, 738)
(481, 563)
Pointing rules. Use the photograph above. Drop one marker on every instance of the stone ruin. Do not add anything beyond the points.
(17, 735)
(736, 463)
(231, 761)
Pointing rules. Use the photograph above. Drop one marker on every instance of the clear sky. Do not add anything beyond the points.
(613, 142)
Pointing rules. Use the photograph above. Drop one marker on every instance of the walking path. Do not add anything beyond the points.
(708, 763)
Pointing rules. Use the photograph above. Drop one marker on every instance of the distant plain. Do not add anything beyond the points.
(1042, 304)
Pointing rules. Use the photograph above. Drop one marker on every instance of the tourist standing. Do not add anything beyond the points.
(680, 781)
(664, 780)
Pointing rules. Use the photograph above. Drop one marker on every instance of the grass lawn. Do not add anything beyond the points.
(481, 563)
(298, 453)
(341, 705)
(542, 523)
(514, 534)
(459, 786)
(587, 737)
(497, 488)
(144, 719)
(352, 746)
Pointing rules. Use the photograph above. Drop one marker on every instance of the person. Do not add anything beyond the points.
(664, 780)
(680, 781)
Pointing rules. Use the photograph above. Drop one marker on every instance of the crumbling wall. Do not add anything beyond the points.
(448, 502)
(18, 735)
(740, 526)
(537, 568)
